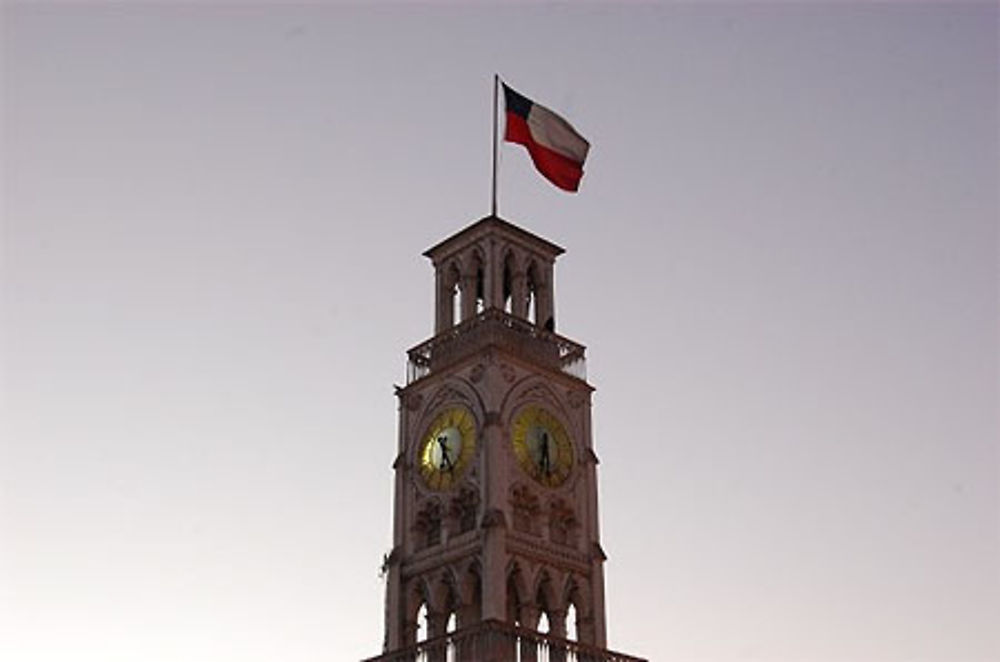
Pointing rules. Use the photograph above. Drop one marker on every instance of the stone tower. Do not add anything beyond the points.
(496, 547)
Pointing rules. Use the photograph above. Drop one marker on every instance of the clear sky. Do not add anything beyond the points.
(783, 261)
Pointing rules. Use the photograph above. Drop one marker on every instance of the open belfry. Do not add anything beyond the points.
(496, 546)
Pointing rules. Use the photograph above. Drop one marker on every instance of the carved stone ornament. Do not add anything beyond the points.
(476, 375)
(414, 400)
(494, 517)
(508, 373)
(463, 509)
(540, 393)
(525, 507)
(576, 398)
(447, 394)
(562, 523)
(428, 523)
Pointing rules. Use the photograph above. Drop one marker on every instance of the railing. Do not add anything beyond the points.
(494, 326)
(494, 641)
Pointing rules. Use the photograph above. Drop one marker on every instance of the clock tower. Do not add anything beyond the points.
(496, 546)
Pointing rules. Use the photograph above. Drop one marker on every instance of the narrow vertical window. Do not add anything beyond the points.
(455, 293)
(508, 284)
(532, 294)
(422, 622)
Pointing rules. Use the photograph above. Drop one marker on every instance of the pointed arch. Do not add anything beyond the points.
(416, 609)
(543, 626)
(477, 278)
(422, 623)
(508, 275)
(444, 591)
(579, 617)
(533, 288)
(517, 593)
(470, 593)
(532, 388)
(453, 292)
(470, 582)
(545, 595)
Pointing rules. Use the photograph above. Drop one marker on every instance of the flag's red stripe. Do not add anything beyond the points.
(558, 169)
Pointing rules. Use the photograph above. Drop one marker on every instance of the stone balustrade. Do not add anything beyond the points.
(495, 641)
(496, 327)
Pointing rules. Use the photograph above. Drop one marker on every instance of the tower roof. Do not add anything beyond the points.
(492, 225)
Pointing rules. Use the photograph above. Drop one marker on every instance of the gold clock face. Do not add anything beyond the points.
(541, 446)
(447, 448)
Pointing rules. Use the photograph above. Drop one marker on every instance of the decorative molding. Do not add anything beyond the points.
(563, 525)
(576, 397)
(538, 552)
(526, 508)
(447, 394)
(463, 509)
(429, 560)
(540, 392)
(494, 517)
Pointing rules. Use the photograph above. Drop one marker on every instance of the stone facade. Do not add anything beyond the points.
(505, 539)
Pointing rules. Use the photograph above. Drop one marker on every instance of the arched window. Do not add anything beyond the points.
(422, 626)
(449, 628)
(472, 594)
(571, 631)
(532, 293)
(455, 290)
(480, 283)
(508, 283)
(544, 602)
(513, 597)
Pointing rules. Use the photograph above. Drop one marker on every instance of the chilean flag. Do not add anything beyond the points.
(557, 150)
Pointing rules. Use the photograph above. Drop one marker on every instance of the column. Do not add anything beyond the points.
(468, 293)
(494, 580)
(436, 623)
(557, 629)
(544, 310)
(519, 295)
(529, 621)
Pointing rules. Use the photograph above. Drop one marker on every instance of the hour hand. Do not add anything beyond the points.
(445, 458)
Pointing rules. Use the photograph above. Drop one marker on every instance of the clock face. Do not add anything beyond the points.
(541, 446)
(447, 448)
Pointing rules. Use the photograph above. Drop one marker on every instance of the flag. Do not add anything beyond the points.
(557, 150)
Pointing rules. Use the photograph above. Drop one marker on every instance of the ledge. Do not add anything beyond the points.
(494, 327)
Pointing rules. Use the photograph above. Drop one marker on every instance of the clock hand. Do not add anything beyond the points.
(445, 458)
(543, 460)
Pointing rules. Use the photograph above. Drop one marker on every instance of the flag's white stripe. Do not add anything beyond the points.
(554, 132)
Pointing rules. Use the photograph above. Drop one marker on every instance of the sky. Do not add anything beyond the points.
(782, 260)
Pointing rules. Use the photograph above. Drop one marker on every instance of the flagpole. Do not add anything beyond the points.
(496, 84)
